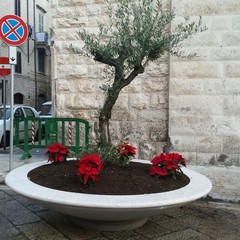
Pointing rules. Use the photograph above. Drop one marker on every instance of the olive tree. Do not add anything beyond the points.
(137, 32)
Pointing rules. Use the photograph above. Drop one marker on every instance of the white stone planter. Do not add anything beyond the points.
(108, 212)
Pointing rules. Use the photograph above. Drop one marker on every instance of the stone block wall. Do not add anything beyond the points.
(197, 105)
(141, 111)
(204, 122)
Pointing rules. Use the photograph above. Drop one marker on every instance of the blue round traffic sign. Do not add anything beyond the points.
(13, 30)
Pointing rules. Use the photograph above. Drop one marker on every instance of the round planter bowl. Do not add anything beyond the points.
(107, 212)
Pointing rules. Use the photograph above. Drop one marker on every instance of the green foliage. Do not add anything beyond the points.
(109, 153)
(136, 32)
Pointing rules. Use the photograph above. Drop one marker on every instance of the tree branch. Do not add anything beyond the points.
(137, 70)
(106, 60)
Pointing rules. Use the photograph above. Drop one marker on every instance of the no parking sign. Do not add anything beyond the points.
(13, 30)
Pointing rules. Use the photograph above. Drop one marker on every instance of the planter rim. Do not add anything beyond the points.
(18, 181)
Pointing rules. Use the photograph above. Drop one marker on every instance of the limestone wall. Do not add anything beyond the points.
(204, 111)
(140, 114)
(203, 114)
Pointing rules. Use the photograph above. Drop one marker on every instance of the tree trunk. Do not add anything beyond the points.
(104, 118)
(106, 111)
(105, 138)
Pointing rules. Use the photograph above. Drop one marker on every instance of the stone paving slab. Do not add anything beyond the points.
(23, 219)
(225, 180)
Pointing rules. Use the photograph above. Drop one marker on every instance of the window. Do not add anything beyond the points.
(18, 66)
(19, 113)
(41, 60)
(18, 98)
(6, 114)
(46, 110)
(28, 112)
(41, 14)
(40, 21)
(18, 8)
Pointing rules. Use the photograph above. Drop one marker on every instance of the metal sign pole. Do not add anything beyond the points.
(11, 117)
(13, 62)
(4, 110)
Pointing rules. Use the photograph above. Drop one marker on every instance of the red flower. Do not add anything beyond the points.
(166, 163)
(158, 159)
(126, 149)
(89, 167)
(159, 171)
(56, 152)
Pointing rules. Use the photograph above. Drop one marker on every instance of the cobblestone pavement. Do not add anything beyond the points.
(22, 219)
(215, 217)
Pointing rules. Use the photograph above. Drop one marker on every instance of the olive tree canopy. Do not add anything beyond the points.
(137, 32)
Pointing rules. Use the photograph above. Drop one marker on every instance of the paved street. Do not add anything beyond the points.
(214, 217)
(21, 219)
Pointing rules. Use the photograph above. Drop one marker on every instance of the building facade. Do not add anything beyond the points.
(32, 85)
(191, 107)
(204, 107)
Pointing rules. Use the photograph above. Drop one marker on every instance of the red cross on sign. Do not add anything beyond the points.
(5, 68)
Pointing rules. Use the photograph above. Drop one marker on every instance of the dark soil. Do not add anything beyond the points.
(130, 179)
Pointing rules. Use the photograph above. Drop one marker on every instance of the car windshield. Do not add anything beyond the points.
(7, 113)
(45, 110)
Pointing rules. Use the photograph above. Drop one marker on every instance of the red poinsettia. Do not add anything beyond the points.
(125, 149)
(125, 152)
(89, 167)
(167, 163)
(57, 152)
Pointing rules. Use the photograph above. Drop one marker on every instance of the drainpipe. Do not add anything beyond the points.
(168, 145)
(28, 26)
(35, 55)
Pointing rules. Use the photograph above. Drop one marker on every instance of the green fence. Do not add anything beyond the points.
(41, 132)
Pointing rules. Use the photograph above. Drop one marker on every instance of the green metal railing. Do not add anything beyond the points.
(42, 132)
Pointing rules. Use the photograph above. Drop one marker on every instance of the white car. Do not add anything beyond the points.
(45, 112)
(20, 111)
(46, 109)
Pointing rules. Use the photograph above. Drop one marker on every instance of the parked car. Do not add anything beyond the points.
(45, 112)
(20, 111)
(46, 109)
